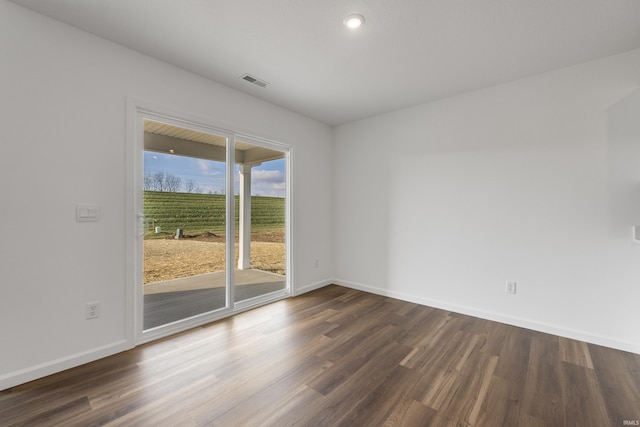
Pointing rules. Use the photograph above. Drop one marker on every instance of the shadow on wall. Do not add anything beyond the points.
(623, 138)
(623, 168)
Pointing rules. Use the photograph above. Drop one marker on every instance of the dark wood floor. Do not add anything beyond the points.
(340, 357)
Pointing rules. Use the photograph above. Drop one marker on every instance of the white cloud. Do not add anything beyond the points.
(268, 183)
(267, 176)
(207, 168)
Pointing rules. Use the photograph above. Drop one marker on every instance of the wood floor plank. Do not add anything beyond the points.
(56, 415)
(409, 412)
(293, 412)
(542, 394)
(440, 339)
(370, 375)
(341, 357)
(498, 409)
(575, 352)
(345, 367)
(487, 376)
(618, 375)
(503, 404)
(380, 402)
(581, 394)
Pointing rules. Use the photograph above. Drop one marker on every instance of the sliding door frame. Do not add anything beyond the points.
(137, 112)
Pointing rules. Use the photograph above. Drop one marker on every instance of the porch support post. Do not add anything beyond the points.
(244, 250)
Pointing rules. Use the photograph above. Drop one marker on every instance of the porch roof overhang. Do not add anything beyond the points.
(164, 138)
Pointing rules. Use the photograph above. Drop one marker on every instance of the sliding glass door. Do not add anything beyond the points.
(212, 224)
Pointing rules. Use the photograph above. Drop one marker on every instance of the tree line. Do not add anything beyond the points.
(162, 181)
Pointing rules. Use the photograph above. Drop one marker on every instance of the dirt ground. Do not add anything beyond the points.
(169, 258)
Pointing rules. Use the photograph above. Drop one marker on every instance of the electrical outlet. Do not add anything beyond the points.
(511, 287)
(317, 263)
(92, 310)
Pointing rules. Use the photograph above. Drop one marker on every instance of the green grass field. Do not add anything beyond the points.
(202, 213)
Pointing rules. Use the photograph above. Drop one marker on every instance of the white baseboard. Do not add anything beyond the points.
(497, 317)
(39, 371)
(312, 287)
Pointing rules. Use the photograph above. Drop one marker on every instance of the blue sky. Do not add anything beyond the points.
(268, 179)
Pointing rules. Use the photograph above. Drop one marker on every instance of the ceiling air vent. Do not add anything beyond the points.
(256, 81)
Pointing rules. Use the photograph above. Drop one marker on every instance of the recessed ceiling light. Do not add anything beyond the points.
(354, 21)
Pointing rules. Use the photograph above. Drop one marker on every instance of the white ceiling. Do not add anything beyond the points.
(408, 52)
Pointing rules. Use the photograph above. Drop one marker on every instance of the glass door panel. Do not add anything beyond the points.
(260, 208)
(184, 246)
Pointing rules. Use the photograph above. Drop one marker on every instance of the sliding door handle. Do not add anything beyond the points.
(142, 224)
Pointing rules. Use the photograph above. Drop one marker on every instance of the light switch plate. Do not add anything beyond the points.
(87, 213)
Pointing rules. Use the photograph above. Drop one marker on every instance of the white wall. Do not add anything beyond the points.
(63, 123)
(535, 181)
